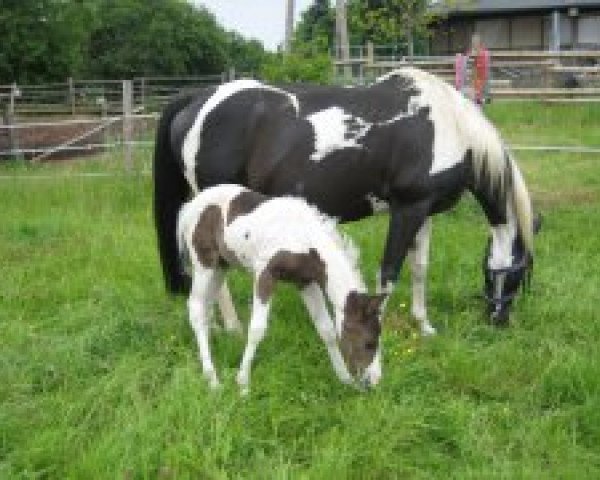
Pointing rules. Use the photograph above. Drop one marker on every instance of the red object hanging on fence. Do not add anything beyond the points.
(480, 72)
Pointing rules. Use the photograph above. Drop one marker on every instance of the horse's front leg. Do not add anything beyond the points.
(418, 256)
(317, 309)
(256, 332)
(404, 223)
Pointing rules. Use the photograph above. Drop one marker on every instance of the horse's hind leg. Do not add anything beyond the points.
(419, 260)
(227, 309)
(203, 292)
(317, 308)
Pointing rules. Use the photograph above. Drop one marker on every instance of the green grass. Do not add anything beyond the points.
(99, 376)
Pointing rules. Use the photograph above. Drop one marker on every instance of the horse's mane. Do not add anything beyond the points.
(493, 165)
(343, 241)
(489, 159)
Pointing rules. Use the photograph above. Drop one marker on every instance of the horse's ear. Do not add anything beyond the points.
(537, 223)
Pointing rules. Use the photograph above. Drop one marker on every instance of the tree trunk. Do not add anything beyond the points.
(341, 27)
(289, 26)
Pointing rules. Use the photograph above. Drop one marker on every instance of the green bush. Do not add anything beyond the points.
(297, 68)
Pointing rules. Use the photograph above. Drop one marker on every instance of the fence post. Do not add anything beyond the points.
(231, 74)
(9, 119)
(370, 53)
(71, 95)
(127, 124)
(143, 91)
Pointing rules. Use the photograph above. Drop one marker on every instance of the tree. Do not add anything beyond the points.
(50, 40)
(383, 22)
(316, 28)
(388, 22)
(151, 37)
(43, 40)
(245, 56)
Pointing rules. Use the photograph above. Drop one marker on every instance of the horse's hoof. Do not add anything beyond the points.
(427, 330)
(244, 390)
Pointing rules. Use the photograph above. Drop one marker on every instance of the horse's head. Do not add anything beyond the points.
(502, 284)
(361, 329)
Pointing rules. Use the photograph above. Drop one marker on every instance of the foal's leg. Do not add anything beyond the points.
(317, 308)
(419, 260)
(230, 318)
(203, 292)
(256, 332)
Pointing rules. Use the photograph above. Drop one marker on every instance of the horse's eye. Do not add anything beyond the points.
(370, 345)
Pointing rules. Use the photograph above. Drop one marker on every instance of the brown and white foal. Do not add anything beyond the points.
(279, 239)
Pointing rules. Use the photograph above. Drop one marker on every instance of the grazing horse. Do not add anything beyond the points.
(278, 239)
(409, 144)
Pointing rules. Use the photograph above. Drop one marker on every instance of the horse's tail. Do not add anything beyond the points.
(185, 219)
(170, 192)
(496, 170)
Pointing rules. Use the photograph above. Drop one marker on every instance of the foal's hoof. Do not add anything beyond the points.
(372, 375)
(234, 330)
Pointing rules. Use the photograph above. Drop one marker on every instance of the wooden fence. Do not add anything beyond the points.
(552, 76)
(48, 121)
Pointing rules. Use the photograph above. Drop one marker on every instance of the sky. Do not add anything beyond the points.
(260, 19)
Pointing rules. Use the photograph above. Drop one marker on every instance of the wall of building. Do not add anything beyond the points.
(517, 32)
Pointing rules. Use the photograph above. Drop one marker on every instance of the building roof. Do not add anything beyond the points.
(470, 7)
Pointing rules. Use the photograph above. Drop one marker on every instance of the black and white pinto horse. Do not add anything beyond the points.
(409, 144)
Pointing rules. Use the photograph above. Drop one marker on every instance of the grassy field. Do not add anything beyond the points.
(99, 376)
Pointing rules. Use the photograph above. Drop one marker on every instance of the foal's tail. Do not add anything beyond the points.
(170, 192)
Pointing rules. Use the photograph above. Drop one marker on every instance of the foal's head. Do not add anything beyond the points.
(360, 331)
(502, 284)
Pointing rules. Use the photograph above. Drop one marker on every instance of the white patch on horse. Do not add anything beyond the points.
(191, 143)
(335, 129)
(377, 205)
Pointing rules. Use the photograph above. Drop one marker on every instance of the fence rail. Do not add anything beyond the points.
(515, 74)
(101, 115)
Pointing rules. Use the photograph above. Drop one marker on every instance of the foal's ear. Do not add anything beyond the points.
(352, 301)
(537, 223)
(376, 301)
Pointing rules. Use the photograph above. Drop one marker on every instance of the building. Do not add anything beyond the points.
(516, 25)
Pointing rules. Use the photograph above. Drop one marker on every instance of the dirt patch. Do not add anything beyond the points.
(45, 137)
(548, 199)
